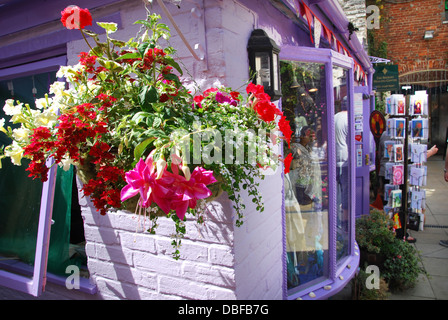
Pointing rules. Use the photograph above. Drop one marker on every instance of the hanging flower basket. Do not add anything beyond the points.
(139, 138)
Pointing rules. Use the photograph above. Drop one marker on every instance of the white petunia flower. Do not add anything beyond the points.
(2, 125)
(15, 152)
(21, 134)
(11, 109)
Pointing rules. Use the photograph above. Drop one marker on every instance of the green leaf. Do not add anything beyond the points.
(90, 33)
(170, 61)
(141, 117)
(141, 147)
(110, 64)
(131, 55)
(142, 48)
(118, 43)
(147, 96)
(110, 27)
(144, 22)
(157, 122)
(172, 77)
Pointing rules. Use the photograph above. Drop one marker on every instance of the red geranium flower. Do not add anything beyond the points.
(285, 128)
(74, 17)
(287, 162)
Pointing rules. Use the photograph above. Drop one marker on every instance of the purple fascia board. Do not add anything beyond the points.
(34, 13)
(330, 10)
(334, 18)
(28, 69)
(50, 44)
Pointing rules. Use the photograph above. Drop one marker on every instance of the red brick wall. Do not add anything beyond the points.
(403, 25)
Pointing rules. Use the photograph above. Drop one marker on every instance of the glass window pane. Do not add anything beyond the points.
(306, 185)
(341, 103)
(263, 67)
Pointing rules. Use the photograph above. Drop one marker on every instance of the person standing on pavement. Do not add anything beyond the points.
(445, 242)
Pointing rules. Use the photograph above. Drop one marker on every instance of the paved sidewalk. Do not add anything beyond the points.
(434, 256)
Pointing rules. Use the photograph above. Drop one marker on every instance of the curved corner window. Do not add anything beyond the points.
(320, 250)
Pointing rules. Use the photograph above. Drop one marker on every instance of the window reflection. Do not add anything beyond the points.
(306, 192)
(341, 101)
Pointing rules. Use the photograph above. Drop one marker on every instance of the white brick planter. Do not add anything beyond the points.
(217, 259)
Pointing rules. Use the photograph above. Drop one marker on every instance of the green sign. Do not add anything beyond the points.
(385, 78)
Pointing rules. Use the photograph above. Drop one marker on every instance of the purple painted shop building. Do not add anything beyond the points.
(301, 247)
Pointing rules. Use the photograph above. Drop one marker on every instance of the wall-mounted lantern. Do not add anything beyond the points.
(264, 63)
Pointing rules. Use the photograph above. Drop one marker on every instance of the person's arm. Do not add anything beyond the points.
(432, 151)
(446, 166)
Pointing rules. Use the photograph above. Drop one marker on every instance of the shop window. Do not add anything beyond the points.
(317, 91)
(306, 192)
(23, 259)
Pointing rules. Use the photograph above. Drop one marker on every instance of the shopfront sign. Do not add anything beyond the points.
(385, 78)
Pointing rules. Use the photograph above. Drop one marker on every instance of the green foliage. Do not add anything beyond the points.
(374, 231)
(402, 265)
(374, 234)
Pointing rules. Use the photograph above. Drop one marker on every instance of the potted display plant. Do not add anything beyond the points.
(373, 232)
(135, 132)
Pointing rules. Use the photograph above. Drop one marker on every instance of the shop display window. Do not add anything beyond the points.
(319, 187)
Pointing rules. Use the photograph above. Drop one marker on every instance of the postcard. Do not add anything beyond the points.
(418, 152)
(398, 153)
(396, 198)
(397, 174)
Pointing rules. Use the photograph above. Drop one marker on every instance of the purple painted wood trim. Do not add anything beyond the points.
(33, 13)
(36, 284)
(15, 281)
(332, 196)
(330, 287)
(25, 269)
(330, 13)
(32, 68)
(284, 262)
(43, 232)
(47, 45)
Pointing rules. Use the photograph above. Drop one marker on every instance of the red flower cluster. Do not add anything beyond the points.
(74, 17)
(262, 103)
(74, 129)
(285, 128)
(153, 56)
(88, 61)
(103, 189)
(41, 141)
(267, 111)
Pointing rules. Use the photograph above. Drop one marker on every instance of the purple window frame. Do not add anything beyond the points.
(339, 273)
(35, 284)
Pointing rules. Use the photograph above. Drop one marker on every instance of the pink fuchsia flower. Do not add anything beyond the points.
(143, 180)
(187, 192)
